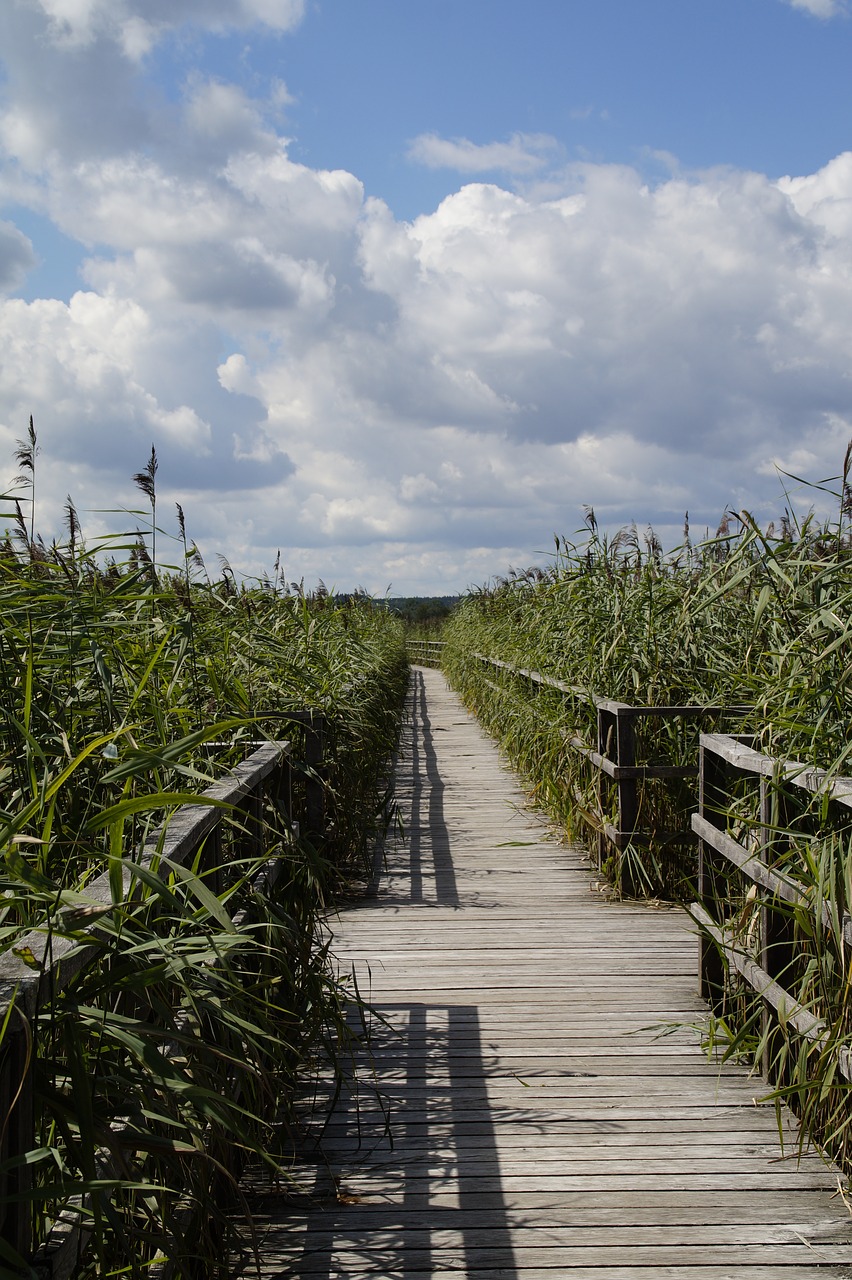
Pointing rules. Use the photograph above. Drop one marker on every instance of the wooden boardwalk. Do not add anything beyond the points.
(523, 1117)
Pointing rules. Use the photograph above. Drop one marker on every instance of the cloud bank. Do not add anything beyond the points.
(413, 403)
(821, 8)
(135, 26)
(524, 153)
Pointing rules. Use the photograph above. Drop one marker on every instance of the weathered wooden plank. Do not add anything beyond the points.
(606, 1244)
(705, 1224)
(537, 1206)
(789, 1010)
(273, 1270)
(806, 776)
(519, 1114)
(368, 1260)
(393, 1257)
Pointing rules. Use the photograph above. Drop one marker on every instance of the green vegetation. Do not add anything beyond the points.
(424, 616)
(752, 617)
(127, 686)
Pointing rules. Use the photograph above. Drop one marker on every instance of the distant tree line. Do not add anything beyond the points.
(429, 612)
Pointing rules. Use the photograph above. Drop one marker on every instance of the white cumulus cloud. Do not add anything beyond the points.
(415, 402)
(522, 155)
(16, 256)
(821, 8)
(136, 25)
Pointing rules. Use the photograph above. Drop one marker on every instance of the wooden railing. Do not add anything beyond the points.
(426, 653)
(614, 756)
(774, 951)
(41, 963)
(747, 897)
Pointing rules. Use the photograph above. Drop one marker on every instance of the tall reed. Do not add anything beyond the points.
(761, 618)
(127, 685)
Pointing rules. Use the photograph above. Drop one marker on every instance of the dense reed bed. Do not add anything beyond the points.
(752, 618)
(126, 686)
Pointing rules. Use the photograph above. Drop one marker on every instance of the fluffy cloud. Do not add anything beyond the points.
(522, 155)
(74, 87)
(646, 350)
(821, 8)
(669, 313)
(77, 366)
(486, 368)
(136, 25)
(16, 257)
(419, 403)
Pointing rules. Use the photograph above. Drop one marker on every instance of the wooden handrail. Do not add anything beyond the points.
(42, 963)
(790, 1012)
(724, 758)
(428, 652)
(614, 754)
(806, 776)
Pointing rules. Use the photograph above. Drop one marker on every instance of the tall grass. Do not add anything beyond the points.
(752, 618)
(756, 617)
(615, 619)
(127, 685)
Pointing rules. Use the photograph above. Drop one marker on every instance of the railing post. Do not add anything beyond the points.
(765, 957)
(314, 788)
(252, 842)
(280, 793)
(605, 743)
(211, 862)
(712, 778)
(627, 790)
(18, 1116)
(776, 934)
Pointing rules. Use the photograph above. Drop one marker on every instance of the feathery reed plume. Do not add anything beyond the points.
(26, 452)
(176, 1051)
(146, 482)
(72, 522)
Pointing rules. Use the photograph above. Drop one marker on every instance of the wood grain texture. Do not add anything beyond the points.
(535, 1103)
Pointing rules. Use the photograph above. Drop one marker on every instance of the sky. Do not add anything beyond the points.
(398, 289)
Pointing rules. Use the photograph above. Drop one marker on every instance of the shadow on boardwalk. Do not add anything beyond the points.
(518, 1117)
(423, 1174)
(430, 864)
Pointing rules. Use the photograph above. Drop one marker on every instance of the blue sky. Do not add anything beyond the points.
(750, 83)
(399, 287)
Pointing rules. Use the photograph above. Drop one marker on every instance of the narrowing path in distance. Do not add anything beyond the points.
(529, 1113)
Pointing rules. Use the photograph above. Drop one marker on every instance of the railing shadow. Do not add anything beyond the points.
(410, 1176)
(419, 866)
(429, 839)
(407, 1176)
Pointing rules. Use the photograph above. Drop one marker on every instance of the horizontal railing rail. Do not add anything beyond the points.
(43, 962)
(753, 931)
(614, 756)
(426, 653)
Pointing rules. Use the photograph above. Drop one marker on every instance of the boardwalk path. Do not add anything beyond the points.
(538, 1127)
